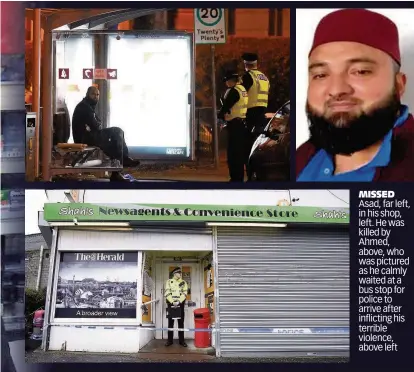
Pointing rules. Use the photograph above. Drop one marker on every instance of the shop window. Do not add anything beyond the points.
(97, 285)
(147, 287)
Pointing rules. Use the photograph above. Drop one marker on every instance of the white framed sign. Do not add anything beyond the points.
(209, 26)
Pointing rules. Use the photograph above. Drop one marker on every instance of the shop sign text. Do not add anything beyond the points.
(100, 257)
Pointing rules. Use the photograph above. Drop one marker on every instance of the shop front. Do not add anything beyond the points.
(275, 279)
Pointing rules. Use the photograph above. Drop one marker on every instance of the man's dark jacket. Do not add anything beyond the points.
(84, 114)
(401, 166)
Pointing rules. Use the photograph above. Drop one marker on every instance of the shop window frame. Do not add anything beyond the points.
(56, 321)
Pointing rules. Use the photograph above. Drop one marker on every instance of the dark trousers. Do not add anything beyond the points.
(256, 119)
(236, 145)
(111, 141)
(255, 123)
(180, 325)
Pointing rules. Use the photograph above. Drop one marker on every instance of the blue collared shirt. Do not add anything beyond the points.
(321, 167)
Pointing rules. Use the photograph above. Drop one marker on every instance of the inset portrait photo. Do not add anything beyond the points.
(354, 95)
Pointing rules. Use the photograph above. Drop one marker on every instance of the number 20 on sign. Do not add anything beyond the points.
(209, 26)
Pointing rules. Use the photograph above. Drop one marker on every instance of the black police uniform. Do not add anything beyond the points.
(255, 116)
(236, 135)
(179, 313)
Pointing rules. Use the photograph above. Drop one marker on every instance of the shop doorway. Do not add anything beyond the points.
(192, 266)
(192, 274)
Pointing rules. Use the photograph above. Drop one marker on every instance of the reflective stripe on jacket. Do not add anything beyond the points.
(259, 92)
(239, 109)
(176, 290)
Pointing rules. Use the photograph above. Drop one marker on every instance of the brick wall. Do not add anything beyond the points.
(32, 256)
(32, 267)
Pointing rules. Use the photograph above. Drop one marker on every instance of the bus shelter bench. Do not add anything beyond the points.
(78, 154)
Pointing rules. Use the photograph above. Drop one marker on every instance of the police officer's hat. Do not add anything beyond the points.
(230, 74)
(250, 57)
(176, 270)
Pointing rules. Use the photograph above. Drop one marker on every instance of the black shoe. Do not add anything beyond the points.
(130, 163)
(183, 344)
(168, 343)
(118, 177)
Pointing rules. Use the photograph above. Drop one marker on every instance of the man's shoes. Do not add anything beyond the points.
(130, 163)
(118, 177)
(183, 344)
(168, 343)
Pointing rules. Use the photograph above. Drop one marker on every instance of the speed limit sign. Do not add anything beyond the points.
(209, 26)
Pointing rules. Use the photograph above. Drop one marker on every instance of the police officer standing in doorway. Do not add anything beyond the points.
(257, 86)
(234, 111)
(176, 290)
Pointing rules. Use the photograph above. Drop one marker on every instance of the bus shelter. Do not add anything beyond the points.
(82, 48)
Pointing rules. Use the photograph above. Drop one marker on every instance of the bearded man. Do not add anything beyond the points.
(359, 130)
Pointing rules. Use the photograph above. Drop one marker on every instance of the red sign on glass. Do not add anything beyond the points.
(63, 73)
(112, 73)
(100, 73)
(87, 73)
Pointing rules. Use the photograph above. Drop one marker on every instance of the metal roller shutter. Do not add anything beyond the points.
(283, 278)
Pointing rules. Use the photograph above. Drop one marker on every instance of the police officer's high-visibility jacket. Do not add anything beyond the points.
(175, 290)
(259, 91)
(239, 109)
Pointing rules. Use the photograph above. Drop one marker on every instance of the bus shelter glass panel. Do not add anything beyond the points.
(74, 74)
(73, 55)
(150, 96)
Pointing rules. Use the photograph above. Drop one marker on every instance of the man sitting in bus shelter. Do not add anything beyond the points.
(87, 128)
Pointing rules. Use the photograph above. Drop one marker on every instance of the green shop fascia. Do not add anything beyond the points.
(83, 212)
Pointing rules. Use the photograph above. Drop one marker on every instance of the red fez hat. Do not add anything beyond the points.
(360, 26)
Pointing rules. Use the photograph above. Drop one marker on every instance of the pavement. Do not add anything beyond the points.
(189, 173)
(39, 356)
(199, 171)
(202, 170)
(17, 354)
(157, 346)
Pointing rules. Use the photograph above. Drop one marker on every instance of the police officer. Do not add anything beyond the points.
(176, 290)
(257, 86)
(234, 111)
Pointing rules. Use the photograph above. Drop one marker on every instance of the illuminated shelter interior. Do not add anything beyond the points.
(68, 22)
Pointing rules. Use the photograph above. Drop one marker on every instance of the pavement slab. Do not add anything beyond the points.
(40, 356)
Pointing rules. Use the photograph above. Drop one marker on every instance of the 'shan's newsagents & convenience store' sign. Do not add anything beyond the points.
(83, 212)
